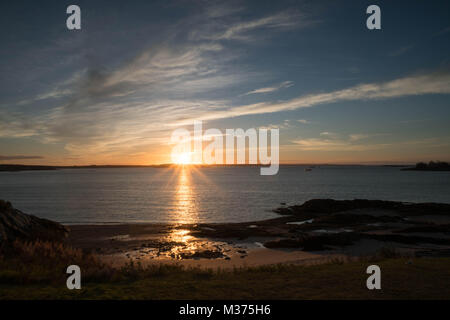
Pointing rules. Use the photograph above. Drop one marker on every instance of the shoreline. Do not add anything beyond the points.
(296, 255)
(314, 232)
(148, 243)
(25, 167)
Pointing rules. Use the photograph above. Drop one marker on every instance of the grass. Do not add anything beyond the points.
(40, 274)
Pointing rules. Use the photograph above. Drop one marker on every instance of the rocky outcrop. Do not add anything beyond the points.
(15, 224)
(318, 207)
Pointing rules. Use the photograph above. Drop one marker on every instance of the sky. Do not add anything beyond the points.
(114, 91)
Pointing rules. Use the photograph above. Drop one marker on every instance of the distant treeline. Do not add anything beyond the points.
(21, 167)
(431, 166)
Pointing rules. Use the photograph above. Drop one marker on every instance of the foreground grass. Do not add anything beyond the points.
(40, 274)
(425, 278)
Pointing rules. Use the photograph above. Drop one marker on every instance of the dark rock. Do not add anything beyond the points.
(15, 224)
(331, 205)
(207, 254)
(348, 219)
(315, 242)
(407, 239)
(283, 211)
(430, 228)
(320, 207)
(422, 209)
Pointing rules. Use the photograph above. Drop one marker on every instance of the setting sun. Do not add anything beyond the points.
(183, 158)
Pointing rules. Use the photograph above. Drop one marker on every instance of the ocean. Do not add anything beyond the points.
(214, 194)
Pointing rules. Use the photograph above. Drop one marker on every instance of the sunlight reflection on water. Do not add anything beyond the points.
(189, 194)
(185, 197)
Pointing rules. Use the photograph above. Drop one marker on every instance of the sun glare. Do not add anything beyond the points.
(183, 158)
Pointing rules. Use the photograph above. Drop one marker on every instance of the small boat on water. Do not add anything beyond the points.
(308, 169)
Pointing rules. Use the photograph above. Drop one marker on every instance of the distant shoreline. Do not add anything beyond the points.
(22, 167)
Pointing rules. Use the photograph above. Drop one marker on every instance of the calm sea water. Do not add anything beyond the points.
(227, 194)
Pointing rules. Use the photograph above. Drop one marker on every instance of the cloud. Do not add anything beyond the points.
(226, 23)
(140, 101)
(222, 9)
(110, 110)
(400, 51)
(358, 136)
(420, 84)
(328, 134)
(98, 123)
(330, 141)
(285, 84)
(19, 157)
(53, 94)
(241, 30)
(286, 124)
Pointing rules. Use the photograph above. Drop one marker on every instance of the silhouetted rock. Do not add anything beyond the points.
(320, 207)
(15, 224)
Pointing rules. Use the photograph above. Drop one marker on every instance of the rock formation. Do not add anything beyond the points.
(15, 224)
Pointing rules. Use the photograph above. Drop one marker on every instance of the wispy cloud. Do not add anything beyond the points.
(19, 157)
(400, 51)
(358, 136)
(286, 124)
(114, 125)
(222, 9)
(285, 84)
(330, 141)
(429, 83)
(242, 30)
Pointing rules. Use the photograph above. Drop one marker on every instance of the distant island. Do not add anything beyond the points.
(431, 166)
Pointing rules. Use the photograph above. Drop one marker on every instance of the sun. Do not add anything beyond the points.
(183, 158)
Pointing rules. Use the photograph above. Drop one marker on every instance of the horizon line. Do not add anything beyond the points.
(381, 163)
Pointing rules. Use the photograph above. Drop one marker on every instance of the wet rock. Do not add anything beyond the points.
(206, 254)
(315, 242)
